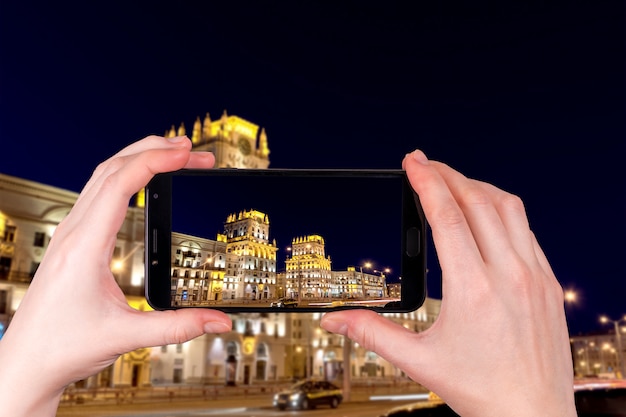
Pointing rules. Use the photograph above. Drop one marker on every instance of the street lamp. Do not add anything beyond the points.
(570, 296)
(383, 277)
(368, 265)
(618, 337)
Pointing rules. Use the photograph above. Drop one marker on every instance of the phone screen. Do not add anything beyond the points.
(283, 240)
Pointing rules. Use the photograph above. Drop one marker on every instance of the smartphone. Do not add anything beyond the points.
(271, 240)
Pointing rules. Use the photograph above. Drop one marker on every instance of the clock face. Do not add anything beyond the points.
(244, 146)
(248, 347)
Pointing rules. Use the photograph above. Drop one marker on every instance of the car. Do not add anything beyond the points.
(284, 302)
(309, 394)
(433, 407)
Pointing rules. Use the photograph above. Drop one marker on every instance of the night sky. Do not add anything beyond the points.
(527, 97)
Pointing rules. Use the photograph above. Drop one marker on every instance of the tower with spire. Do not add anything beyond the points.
(235, 142)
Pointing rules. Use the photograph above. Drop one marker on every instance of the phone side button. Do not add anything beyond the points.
(413, 242)
(154, 241)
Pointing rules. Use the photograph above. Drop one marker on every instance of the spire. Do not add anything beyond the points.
(263, 148)
(181, 130)
(196, 136)
(206, 127)
(224, 126)
(171, 133)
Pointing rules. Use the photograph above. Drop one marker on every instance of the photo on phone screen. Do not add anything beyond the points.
(253, 240)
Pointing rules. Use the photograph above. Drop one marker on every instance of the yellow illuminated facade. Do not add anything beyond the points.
(235, 142)
(240, 265)
(308, 272)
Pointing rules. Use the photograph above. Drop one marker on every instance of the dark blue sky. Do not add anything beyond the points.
(528, 97)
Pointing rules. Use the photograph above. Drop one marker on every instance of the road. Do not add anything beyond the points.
(231, 409)
(359, 409)
(319, 304)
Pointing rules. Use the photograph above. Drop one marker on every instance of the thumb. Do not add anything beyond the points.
(158, 328)
(378, 334)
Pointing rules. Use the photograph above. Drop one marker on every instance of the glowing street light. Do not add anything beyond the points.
(570, 296)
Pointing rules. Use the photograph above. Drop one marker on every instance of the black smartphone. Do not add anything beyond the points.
(261, 240)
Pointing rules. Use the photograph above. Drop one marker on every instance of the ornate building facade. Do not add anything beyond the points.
(241, 262)
(235, 142)
(240, 266)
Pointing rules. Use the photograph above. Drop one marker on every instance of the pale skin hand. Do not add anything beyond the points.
(74, 320)
(500, 344)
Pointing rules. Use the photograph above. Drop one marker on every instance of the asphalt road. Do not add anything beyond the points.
(250, 408)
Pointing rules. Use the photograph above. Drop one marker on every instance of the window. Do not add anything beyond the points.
(179, 348)
(40, 240)
(178, 376)
(4, 296)
(9, 233)
(5, 267)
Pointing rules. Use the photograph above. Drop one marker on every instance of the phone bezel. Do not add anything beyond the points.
(158, 242)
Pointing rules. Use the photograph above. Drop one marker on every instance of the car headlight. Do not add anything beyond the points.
(294, 397)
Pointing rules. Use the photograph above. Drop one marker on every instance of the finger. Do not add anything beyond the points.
(455, 244)
(377, 334)
(149, 142)
(541, 258)
(512, 213)
(104, 206)
(480, 212)
(158, 328)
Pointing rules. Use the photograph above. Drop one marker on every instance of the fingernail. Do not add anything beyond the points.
(216, 327)
(177, 139)
(419, 157)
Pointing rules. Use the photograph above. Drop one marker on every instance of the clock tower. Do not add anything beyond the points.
(235, 142)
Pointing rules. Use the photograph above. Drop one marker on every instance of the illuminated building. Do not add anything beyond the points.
(252, 272)
(235, 142)
(239, 264)
(597, 354)
(198, 269)
(29, 214)
(307, 271)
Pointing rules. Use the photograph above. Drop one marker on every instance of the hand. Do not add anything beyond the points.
(500, 344)
(74, 320)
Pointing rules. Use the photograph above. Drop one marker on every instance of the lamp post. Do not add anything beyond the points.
(204, 281)
(367, 265)
(383, 278)
(297, 275)
(618, 338)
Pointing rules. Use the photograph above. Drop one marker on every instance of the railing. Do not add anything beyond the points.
(133, 395)
(17, 276)
(363, 387)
